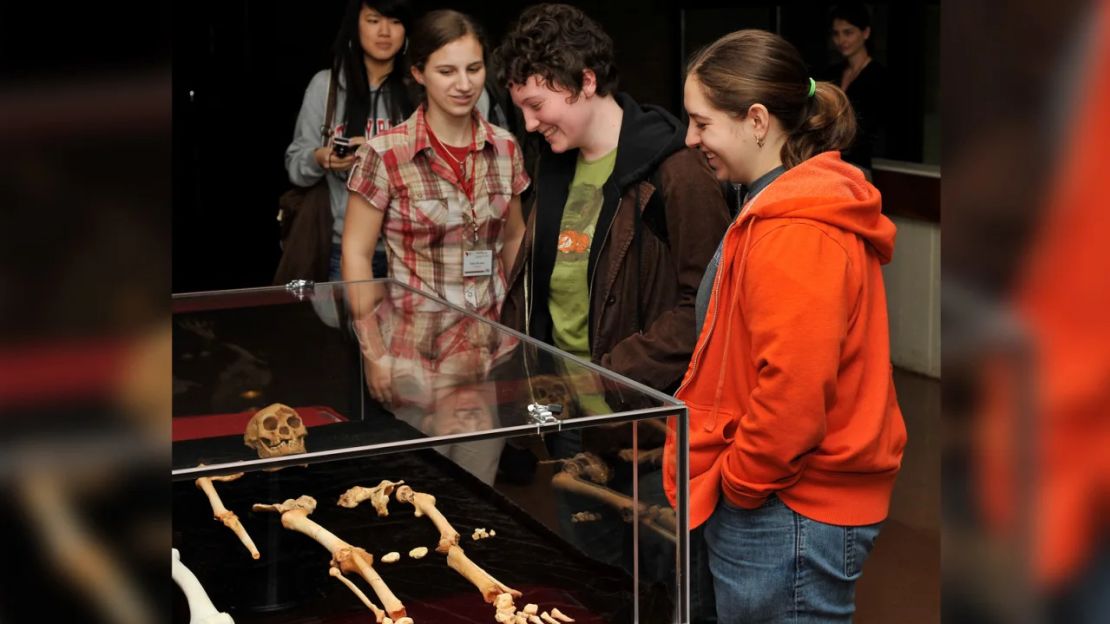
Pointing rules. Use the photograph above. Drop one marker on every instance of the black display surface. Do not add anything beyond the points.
(290, 582)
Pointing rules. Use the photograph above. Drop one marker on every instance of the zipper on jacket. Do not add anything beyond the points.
(593, 277)
(713, 325)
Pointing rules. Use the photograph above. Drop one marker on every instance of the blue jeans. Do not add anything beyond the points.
(772, 564)
(380, 265)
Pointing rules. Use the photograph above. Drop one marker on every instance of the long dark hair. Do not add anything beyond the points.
(347, 58)
(758, 67)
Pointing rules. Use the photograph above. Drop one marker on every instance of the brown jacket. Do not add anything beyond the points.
(641, 302)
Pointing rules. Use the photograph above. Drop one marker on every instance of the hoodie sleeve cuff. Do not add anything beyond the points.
(744, 501)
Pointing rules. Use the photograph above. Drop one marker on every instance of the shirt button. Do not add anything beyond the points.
(611, 300)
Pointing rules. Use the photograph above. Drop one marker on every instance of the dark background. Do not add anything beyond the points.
(240, 69)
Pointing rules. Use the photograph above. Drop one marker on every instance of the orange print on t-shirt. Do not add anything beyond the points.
(573, 242)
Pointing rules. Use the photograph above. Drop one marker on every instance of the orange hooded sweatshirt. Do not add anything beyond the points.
(790, 390)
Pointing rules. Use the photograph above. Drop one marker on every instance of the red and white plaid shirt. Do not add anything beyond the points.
(429, 221)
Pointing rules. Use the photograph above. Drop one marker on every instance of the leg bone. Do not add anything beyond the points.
(489, 586)
(425, 505)
(225, 515)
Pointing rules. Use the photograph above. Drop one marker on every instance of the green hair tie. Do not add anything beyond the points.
(812, 87)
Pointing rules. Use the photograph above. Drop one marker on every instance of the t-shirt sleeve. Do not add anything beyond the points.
(369, 177)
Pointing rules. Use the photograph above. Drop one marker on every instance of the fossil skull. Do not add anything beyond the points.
(276, 430)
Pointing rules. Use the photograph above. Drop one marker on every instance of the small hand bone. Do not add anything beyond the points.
(294, 516)
(425, 505)
(489, 586)
(225, 515)
(378, 495)
(559, 615)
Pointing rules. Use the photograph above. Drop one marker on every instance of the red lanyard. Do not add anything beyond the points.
(466, 184)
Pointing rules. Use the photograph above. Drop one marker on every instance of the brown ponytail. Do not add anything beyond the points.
(758, 67)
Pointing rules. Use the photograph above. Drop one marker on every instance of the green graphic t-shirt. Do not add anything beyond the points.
(569, 299)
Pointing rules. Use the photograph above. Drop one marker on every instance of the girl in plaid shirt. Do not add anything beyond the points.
(443, 191)
(443, 188)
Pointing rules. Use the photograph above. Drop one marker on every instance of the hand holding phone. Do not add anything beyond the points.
(342, 147)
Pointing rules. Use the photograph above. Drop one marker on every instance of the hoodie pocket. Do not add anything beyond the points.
(711, 433)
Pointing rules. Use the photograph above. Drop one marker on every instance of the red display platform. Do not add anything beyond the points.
(217, 425)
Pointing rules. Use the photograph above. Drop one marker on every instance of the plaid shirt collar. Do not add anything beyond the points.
(418, 134)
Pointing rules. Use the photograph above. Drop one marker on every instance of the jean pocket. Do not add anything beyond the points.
(858, 542)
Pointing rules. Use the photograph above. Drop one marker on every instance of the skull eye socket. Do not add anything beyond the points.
(270, 423)
(295, 422)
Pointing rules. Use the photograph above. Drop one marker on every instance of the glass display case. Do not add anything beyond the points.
(347, 451)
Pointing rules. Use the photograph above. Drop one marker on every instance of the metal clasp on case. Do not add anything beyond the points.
(300, 288)
(544, 414)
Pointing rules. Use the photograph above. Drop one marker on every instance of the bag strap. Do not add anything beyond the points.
(329, 108)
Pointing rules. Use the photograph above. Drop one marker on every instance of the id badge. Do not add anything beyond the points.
(477, 263)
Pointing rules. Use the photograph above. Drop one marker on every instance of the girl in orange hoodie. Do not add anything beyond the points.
(795, 432)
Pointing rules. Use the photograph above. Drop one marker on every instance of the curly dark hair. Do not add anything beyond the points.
(556, 42)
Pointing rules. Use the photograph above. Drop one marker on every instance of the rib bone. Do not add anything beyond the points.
(225, 515)
(294, 516)
(425, 505)
(489, 586)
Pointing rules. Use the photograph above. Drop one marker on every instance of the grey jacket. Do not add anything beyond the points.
(299, 162)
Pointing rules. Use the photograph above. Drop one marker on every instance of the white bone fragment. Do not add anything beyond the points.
(503, 601)
(391, 557)
(547, 618)
(531, 609)
(418, 552)
(534, 619)
(378, 495)
(559, 615)
(201, 609)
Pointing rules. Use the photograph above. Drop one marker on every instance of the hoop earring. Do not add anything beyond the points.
(759, 142)
(405, 46)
